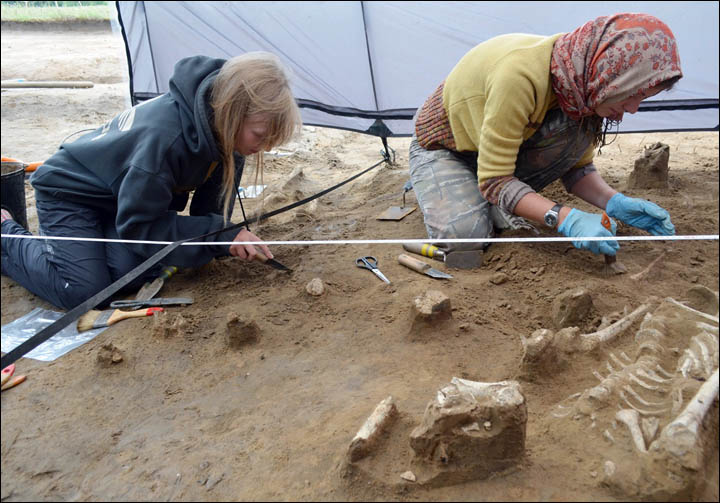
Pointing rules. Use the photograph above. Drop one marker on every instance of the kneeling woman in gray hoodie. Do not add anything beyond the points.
(129, 179)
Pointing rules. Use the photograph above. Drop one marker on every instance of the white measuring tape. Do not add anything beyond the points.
(698, 237)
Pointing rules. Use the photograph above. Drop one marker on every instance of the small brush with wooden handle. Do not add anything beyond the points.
(100, 319)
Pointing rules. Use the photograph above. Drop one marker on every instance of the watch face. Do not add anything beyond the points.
(551, 219)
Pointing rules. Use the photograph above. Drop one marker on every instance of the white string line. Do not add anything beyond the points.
(697, 237)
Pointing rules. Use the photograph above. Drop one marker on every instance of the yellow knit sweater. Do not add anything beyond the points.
(496, 97)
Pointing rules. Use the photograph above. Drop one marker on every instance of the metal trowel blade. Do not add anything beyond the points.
(150, 288)
(396, 213)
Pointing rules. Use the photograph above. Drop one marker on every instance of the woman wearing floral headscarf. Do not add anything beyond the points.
(521, 111)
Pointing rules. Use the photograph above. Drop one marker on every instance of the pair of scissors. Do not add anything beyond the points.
(371, 264)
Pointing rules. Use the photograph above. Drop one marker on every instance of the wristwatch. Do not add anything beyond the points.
(552, 215)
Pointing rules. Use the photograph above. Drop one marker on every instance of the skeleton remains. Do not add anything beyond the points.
(653, 412)
(661, 401)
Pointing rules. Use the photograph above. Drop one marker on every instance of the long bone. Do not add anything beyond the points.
(681, 435)
(568, 340)
(588, 342)
(631, 419)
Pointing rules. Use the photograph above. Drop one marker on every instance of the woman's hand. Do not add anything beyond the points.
(248, 252)
(641, 214)
(588, 225)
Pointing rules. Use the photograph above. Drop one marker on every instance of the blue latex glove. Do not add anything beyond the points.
(581, 224)
(641, 214)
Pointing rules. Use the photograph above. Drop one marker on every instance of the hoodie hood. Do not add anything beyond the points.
(190, 87)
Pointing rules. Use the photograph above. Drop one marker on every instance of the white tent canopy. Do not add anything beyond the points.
(367, 66)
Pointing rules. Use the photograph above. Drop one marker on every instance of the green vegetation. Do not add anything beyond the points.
(59, 12)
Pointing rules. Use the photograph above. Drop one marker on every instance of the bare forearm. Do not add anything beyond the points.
(593, 189)
(534, 206)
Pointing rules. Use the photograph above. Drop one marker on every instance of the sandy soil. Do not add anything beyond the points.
(186, 416)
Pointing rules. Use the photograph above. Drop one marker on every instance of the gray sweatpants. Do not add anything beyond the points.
(446, 184)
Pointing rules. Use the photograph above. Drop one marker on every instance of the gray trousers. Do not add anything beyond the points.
(446, 185)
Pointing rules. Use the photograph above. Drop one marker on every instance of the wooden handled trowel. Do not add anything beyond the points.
(422, 267)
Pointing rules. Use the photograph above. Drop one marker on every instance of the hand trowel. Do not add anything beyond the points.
(398, 212)
(422, 267)
(151, 288)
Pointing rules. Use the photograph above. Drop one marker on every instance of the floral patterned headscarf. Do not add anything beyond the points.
(613, 57)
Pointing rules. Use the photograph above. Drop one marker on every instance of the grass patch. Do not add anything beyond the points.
(19, 13)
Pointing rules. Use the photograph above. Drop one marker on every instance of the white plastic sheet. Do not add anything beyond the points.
(18, 331)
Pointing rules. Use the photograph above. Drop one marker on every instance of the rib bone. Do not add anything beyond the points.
(693, 311)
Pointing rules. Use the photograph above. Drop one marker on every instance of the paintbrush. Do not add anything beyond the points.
(99, 319)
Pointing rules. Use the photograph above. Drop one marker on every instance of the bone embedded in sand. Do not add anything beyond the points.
(700, 358)
(703, 299)
(647, 270)
(471, 429)
(367, 436)
(649, 427)
(535, 345)
(681, 436)
(588, 342)
(631, 419)
(700, 314)
(409, 476)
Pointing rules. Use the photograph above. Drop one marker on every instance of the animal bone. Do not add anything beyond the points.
(645, 271)
(631, 419)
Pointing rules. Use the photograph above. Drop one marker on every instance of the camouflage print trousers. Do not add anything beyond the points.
(446, 185)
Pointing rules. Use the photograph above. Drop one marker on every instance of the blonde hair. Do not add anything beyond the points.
(250, 84)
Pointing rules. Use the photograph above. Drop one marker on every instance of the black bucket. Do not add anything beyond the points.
(12, 193)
